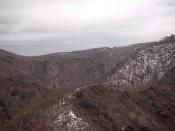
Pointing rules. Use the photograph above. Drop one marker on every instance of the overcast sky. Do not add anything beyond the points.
(34, 27)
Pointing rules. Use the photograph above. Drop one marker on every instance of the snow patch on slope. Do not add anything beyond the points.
(149, 64)
(62, 117)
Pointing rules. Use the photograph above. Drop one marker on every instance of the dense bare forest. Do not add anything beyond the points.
(104, 89)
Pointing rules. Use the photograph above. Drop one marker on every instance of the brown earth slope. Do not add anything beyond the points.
(146, 109)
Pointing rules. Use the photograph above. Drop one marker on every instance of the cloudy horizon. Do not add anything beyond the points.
(35, 27)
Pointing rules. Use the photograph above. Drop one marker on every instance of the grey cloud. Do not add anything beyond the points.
(20, 32)
(169, 2)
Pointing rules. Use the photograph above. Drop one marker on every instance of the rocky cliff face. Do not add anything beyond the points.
(148, 64)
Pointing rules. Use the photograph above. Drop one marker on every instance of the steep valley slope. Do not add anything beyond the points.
(24, 78)
(105, 89)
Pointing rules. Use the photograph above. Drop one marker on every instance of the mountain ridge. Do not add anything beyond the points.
(92, 73)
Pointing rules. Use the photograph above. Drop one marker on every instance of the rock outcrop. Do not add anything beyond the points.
(149, 64)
